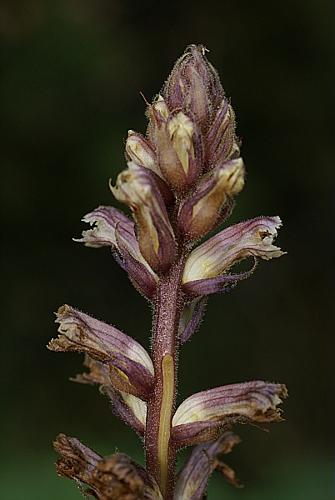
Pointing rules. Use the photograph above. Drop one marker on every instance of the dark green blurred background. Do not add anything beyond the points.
(71, 76)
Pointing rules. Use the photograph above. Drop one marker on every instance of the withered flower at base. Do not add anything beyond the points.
(116, 477)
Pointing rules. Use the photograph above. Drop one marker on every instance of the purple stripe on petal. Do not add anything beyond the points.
(252, 238)
(129, 361)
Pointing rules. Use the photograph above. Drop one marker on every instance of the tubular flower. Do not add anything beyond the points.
(182, 181)
(137, 188)
(116, 477)
(130, 366)
(201, 416)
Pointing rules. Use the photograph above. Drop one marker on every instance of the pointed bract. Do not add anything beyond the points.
(204, 459)
(191, 318)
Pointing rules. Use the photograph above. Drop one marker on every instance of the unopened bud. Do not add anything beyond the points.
(194, 86)
(136, 188)
(221, 141)
(200, 212)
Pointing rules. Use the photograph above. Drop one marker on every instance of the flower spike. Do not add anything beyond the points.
(181, 183)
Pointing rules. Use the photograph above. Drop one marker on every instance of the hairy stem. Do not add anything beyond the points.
(160, 456)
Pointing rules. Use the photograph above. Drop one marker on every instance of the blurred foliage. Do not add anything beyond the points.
(71, 76)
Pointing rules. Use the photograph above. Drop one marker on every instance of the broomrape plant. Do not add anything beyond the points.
(180, 184)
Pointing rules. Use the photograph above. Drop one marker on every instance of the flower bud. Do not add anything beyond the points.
(140, 151)
(178, 146)
(200, 212)
(221, 141)
(136, 187)
(252, 238)
(194, 86)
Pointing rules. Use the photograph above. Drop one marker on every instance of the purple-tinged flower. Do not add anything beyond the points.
(201, 417)
(194, 86)
(112, 228)
(116, 477)
(204, 459)
(202, 210)
(178, 145)
(130, 366)
(103, 221)
(136, 187)
(217, 255)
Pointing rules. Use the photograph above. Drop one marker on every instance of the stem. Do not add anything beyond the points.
(160, 455)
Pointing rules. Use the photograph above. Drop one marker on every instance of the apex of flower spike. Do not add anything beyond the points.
(194, 86)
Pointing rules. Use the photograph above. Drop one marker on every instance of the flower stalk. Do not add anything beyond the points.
(181, 183)
(160, 455)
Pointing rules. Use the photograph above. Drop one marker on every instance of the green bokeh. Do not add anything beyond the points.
(71, 76)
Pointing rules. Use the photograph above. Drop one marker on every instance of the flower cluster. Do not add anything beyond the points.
(180, 184)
